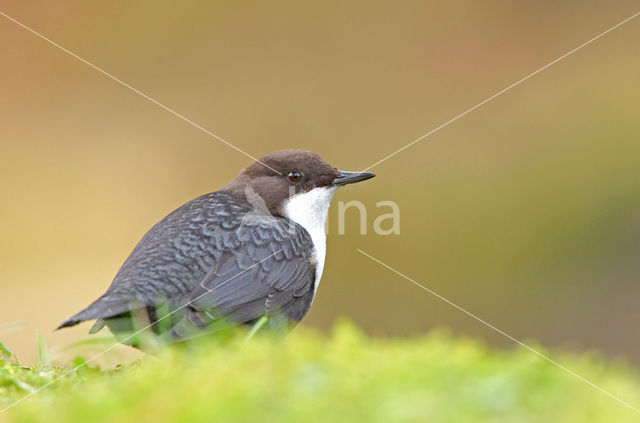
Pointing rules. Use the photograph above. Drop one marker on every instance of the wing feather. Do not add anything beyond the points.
(222, 259)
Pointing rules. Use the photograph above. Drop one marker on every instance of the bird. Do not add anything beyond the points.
(250, 254)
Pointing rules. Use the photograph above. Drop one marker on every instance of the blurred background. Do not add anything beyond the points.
(526, 212)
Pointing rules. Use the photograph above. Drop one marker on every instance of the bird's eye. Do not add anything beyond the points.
(295, 176)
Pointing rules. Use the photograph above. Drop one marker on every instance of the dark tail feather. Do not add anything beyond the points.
(102, 308)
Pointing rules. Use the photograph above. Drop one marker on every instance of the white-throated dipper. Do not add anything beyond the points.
(253, 250)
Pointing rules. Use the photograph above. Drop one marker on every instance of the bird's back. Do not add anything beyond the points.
(177, 252)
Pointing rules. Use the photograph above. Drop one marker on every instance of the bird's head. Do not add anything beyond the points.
(293, 181)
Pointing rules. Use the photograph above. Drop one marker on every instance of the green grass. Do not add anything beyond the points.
(345, 376)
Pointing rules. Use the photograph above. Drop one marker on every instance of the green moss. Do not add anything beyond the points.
(343, 377)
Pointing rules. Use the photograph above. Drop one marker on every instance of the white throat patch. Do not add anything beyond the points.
(310, 210)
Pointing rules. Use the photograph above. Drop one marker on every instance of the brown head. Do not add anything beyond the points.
(283, 175)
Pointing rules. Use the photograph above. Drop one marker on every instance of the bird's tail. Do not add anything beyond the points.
(103, 308)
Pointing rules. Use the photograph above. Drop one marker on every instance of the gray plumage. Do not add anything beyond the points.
(215, 258)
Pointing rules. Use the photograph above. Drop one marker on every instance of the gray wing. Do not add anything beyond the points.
(194, 247)
(242, 288)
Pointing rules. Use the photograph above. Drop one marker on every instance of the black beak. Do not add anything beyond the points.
(351, 177)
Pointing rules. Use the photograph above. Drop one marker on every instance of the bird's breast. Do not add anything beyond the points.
(310, 210)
